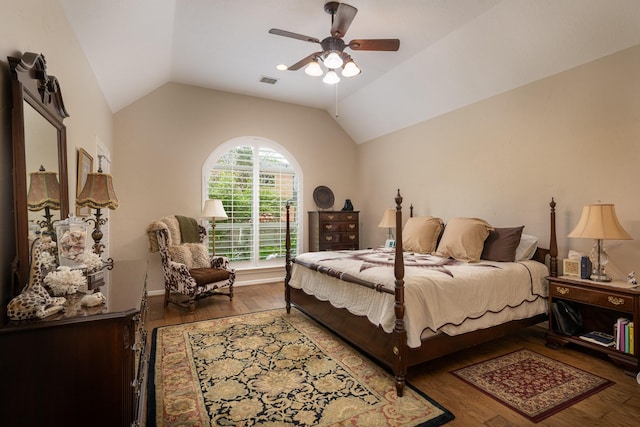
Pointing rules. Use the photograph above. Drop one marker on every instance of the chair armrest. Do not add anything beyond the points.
(220, 262)
(179, 268)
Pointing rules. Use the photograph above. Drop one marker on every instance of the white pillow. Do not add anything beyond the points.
(527, 247)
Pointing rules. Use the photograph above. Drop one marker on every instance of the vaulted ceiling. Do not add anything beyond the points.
(452, 52)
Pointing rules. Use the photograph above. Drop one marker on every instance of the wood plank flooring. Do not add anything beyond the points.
(618, 405)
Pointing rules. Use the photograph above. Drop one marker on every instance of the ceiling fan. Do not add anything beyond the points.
(332, 55)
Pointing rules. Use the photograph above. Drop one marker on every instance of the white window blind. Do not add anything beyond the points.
(255, 183)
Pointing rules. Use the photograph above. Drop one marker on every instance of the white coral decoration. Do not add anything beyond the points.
(65, 281)
(47, 261)
(92, 261)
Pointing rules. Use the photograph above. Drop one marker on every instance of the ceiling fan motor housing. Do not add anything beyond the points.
(332, 43)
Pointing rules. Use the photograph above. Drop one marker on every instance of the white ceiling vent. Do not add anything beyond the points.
(268, 80)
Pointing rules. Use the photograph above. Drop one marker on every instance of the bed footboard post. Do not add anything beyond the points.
(399, 331)
(287, 276)
(553, 242)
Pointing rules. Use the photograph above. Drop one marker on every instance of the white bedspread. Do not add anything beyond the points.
(441, 295)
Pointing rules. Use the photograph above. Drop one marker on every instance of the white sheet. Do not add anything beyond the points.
(441, 295)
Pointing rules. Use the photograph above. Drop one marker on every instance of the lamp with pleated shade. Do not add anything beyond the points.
(98, 193)
(44, 193)
(599, 222)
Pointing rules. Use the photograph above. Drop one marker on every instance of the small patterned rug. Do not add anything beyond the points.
(531, 384)
(273, 369)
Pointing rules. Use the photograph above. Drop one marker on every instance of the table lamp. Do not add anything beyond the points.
(599, 222)
(44, 193)
(98, 193)
(388, 221)
(213, 209)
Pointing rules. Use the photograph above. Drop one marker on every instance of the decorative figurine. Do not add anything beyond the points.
(348, 206)
(631, 278)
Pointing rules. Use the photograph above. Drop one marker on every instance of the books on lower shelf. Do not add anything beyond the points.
(599, 338)
(623, 332)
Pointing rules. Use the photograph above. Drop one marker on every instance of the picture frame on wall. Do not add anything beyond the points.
(85, 166)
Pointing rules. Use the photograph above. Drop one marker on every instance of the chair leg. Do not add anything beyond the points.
(166, 297)
(231, 293)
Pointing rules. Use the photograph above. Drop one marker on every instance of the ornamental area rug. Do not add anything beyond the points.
(531, 384)
(273, 369)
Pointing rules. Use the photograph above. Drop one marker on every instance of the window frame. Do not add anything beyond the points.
(256, 143)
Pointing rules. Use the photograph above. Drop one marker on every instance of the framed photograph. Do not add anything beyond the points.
(85, 165)
(571, 267)
(390, 243)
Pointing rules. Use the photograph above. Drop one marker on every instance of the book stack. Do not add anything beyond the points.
(623, 333)
(599, 338)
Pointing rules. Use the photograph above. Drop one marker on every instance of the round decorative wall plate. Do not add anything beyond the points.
(323, 196)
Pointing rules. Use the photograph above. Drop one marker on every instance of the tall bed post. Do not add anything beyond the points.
(287, 276)
(553, 242)
(399, 332)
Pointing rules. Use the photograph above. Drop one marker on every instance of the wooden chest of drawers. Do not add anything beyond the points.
(333, 230)
(82, 367)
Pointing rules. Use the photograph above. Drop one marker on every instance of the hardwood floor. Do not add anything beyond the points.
(618, 405)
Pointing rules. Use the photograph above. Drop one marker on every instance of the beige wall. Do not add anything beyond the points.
(40, 26)
(163, 139)
(574, 136)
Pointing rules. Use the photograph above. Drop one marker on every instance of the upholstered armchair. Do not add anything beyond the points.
(188, 268)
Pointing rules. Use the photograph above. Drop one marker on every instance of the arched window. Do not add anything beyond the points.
(255, 179)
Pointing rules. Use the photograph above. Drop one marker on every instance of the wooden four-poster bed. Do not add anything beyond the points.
(393, 348)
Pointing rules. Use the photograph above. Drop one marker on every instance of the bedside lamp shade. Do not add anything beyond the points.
(388, 220)
(599, 222)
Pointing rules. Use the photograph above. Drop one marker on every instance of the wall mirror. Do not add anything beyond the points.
(39, 142)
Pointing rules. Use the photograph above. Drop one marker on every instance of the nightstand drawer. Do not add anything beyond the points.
(599, 298)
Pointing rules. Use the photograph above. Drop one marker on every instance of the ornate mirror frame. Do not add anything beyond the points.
(30, 84)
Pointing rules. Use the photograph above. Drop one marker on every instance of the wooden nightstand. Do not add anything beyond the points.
(600, 305)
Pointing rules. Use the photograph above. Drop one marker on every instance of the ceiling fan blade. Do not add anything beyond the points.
(375, 44)
(303, 61)
(342, 19)
(289, 34)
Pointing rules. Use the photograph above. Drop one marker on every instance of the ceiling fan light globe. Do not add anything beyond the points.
(350, 69)
(333, 60)
(331, 78)
(313, 69)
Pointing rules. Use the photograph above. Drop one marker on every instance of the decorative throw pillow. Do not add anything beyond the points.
(181, 254)
(463, 239)
(501, 244)
(527, 247)
(199, 255)
(420, 234)
(174, 229)
(193, 255)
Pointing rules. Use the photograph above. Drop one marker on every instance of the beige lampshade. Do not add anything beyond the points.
(599, 222)
(98, 192)
(388, 219)
(44, 191)
(213, 209)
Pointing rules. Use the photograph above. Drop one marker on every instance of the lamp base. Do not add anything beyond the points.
(599, 275)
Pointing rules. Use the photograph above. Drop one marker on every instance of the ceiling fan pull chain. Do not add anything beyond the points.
(336, 85)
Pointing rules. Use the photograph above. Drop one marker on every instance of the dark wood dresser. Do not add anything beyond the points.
(82, 367)
(333, 230)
